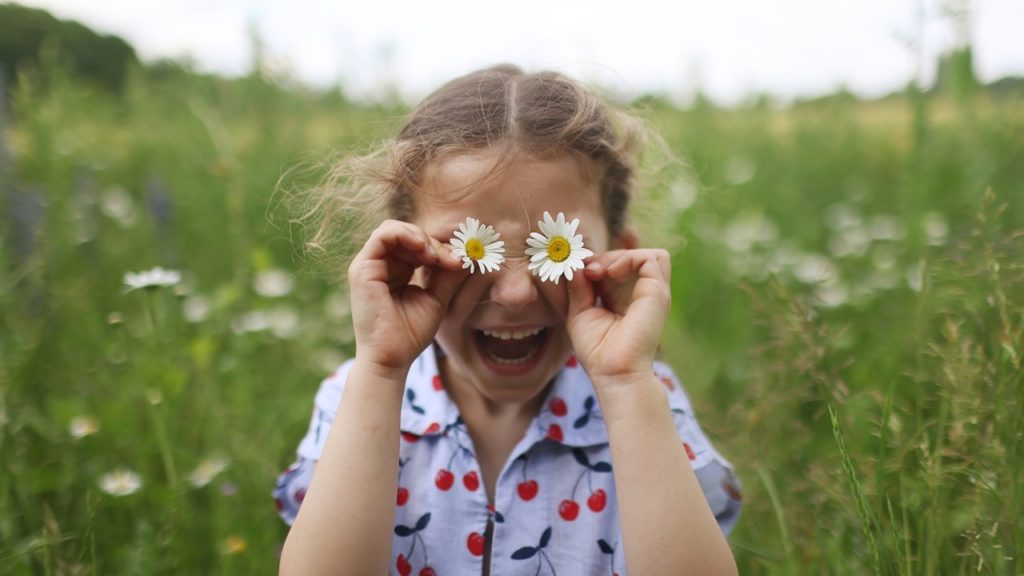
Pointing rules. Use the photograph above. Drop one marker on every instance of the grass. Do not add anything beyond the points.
(848, 313)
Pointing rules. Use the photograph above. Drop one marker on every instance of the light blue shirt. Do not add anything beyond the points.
(554, 510)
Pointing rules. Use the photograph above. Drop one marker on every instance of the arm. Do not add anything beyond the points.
(657, 487)
(617, 309)
(346, 520)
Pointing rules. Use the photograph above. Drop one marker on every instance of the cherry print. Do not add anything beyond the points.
(569, 510)
(410, 437)
(444, 479)
(558, 407)
(475, 543)
(689, 451)
(555, 433)
(527, 490)
(597, 500)
(434, 428)
(428, 571)
(278, 504)
(732, 491)
(403, 496)
(436, 383)
(572, 363)
(300, 495)
(471, 481)
(668, 383)
(404, 568)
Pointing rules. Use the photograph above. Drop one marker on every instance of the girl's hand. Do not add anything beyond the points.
(615, 338)
(394, 320)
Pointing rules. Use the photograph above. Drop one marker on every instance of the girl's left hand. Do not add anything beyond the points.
(615, 338)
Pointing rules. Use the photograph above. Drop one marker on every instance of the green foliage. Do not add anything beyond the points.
(27, 33)
(847, 316)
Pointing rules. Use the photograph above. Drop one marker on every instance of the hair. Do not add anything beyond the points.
(502, 107)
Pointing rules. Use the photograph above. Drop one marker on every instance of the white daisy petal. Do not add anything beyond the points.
(479, 247)
(557, 250)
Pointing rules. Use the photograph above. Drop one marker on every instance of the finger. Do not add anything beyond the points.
(444, 284)
(403, 241)
(445, 258)
(582, 296)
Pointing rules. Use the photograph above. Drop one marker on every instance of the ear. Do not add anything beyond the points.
(626, 240)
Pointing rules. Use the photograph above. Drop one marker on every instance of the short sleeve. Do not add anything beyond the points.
(715, 473)
(290, 487)
(325, 407)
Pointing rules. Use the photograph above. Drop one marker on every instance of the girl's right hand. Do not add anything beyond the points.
(395, 320)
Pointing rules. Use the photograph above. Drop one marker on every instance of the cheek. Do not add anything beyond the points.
(557, 297)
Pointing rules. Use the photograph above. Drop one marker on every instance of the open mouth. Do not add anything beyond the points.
(511, 347)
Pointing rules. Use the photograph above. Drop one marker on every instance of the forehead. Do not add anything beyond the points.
(510, 195)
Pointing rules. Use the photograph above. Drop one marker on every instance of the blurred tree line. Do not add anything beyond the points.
(29, 34)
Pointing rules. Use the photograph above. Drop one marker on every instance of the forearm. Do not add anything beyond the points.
(667, 526)
(345, 522)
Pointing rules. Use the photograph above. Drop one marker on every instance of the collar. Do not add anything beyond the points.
(570, 414)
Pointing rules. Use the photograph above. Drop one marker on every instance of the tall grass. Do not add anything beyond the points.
(848, 318)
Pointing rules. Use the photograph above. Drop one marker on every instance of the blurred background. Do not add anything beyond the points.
(847, 229)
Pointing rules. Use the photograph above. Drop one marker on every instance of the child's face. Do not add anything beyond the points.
(510, 301)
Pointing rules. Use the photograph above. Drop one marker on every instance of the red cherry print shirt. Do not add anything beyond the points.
(555, 509)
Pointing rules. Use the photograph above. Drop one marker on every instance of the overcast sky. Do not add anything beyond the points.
(729, 48)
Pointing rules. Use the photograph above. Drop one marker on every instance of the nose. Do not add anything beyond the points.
(513, 285)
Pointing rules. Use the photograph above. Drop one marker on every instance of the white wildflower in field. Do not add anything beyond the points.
(815, 269)
(273, 283)
(337, 306)
(196, 308)
(117, 204)
(207, 470)
(739, 170)
(82, 426)
(254, 321)
(478, 245)
(841, 215)
(885, 227)
(749, 229)
(154, 396)
(832, 294)
(120, 482)
(935, 228)
(915, 276)
(151, 279)
(557, 249)
(284, 322)
(682, 194)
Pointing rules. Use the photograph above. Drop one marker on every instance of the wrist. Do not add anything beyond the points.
(382, 373)
(628, 395)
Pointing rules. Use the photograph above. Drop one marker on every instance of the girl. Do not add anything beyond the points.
(494, 419)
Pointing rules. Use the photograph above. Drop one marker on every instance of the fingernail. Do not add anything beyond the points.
(431, 250)
(593, 266)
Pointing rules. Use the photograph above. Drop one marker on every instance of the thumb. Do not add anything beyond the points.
(444, 284)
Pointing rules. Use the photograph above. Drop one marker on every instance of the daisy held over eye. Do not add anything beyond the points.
(494, 419)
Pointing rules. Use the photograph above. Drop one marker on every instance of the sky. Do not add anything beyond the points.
(727, 49)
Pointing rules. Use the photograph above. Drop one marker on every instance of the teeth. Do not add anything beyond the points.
(509, 335)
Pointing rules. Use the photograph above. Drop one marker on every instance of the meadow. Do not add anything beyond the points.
(848, 307)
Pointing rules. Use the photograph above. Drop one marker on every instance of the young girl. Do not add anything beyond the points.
(497, 420)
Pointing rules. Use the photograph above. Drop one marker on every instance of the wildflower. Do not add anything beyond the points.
(557, 250)
(207, 470)
(82, 426)
(120, 482)
(196, 308)
(478, 244)
(234, 545)
(273, 283)
(151, 279)
(154, 397)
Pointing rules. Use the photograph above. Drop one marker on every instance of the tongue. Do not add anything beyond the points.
(511, 349)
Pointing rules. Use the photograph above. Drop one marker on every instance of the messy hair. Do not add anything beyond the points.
(501, 108)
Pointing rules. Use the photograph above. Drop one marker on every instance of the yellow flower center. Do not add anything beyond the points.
(558, 249)
(474, 249)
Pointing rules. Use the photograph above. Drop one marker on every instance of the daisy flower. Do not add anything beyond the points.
(478, 246)
(557, 250)
(82, 426)
(120, 482)
(155, 278)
